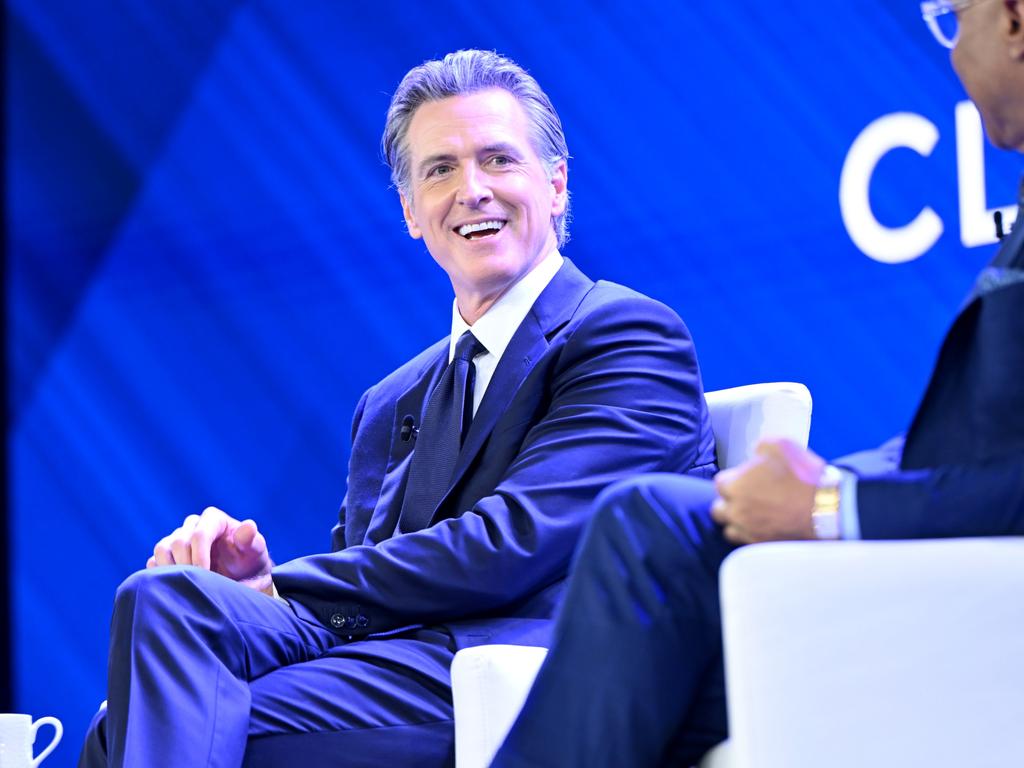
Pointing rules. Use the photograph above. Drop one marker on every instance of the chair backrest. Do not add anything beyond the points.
(742, 416)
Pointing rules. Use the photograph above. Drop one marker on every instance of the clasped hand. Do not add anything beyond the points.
(218, 542)
(769, 497)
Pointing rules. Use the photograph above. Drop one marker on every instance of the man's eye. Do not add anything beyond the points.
(439, 170)
(500, 161)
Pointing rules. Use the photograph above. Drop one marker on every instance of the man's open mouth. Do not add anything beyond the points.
(480, 229)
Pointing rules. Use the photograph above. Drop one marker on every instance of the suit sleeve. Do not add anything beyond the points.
(947, 501)
(625, 398)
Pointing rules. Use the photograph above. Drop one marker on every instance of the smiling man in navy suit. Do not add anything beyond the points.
(472, 472)
(635, 673)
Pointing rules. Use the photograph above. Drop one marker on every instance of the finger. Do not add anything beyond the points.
(720, 511)
(210, 526)
(771, 447)
(724, 480)
(806, 464)
(151, 563)
(180, 541)
(259, 543)
(199, 547)
(162, 552)
(736, 535)
(180, 548)
(247, 535)
(190, 522)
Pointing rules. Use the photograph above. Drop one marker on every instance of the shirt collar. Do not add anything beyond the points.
(498, 324)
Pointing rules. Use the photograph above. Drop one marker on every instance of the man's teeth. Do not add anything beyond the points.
(467, 229)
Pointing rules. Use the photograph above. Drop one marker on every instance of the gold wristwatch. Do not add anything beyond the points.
(825, 515)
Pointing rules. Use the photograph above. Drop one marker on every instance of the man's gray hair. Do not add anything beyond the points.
(465, 72)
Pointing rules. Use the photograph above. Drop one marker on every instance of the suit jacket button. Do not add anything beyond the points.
(350, 622)
(362, 621)
(337, 620)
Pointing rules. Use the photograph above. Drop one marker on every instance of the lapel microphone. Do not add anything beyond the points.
(1002, 232)
(409, 430)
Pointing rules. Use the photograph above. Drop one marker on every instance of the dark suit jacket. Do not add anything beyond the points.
(960, 471)
(599, 383)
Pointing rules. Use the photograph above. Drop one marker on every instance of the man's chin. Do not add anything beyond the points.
(1004, 134)
(490, 278)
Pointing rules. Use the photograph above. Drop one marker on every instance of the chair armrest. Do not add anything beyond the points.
(852, 654)
(742, 416)
(489, 686)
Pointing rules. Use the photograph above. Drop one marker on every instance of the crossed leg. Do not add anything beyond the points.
(206, 672)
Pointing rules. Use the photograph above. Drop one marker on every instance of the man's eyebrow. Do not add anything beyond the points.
(502, 148)
(433, 160)
(498, 148)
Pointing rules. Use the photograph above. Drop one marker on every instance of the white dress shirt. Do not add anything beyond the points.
(498, 324)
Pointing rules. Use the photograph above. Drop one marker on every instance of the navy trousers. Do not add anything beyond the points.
(634, 676)
(206, 672)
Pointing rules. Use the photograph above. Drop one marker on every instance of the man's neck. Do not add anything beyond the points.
(475, 307)
(474, 304)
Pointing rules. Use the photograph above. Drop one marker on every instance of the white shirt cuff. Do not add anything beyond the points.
(849, 519)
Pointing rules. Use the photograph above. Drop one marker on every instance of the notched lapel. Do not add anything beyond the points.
(551, 311)
(383, 518)
(413, 402)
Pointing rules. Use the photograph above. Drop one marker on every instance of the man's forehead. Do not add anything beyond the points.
(468, 122)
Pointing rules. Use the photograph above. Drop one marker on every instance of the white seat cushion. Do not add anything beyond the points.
(489, 686)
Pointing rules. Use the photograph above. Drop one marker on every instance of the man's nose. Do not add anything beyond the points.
(474, 188)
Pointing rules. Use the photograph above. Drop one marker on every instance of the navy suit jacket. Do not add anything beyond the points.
(599, 383)
(960, 471)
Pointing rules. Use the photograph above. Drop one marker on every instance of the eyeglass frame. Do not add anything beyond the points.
(932, 9)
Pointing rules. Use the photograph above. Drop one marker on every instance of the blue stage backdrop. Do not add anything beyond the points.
(206, 264)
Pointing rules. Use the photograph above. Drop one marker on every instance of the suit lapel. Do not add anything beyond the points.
(551, 311)
(412, 402)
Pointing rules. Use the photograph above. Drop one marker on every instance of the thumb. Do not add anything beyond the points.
(245, 534)
(772, 447)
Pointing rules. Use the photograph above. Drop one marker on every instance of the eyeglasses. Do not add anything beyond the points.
(941, 18)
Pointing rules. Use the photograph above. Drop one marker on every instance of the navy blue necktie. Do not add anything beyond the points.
(439, 439)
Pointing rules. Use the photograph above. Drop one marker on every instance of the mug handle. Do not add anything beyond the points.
(56, 737)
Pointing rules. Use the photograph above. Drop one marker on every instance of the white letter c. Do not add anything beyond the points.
(885, 244)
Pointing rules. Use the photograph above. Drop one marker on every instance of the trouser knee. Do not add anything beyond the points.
(652, 503)
(155, 593)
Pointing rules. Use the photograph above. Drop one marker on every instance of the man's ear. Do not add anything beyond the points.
(410, 220)
(1012, 26)
(560, 184)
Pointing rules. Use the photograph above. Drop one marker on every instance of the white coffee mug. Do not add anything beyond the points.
(17, 737)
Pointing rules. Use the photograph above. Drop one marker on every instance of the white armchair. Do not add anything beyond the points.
(490, 683)
(854, 654)
(839, 654)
